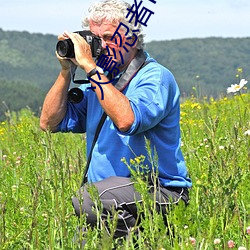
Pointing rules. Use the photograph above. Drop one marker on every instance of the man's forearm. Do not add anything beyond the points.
(55, 103)
(115, 104)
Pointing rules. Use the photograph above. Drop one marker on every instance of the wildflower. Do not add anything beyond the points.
(195, 106)
(22, 210)
(132, 162)
(198, 182)
(230, 244)
(248, 230)
(192, 240)
(137, 159)
(216, 241)
(237, 87)
(240, 70)
(247, 133)
(242, 248)
(14, 188)
(221, 147)
(45, 216)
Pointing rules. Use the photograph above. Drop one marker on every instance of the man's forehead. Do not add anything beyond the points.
(103, 27)
(104, 22)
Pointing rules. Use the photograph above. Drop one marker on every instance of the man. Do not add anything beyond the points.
(145, 107)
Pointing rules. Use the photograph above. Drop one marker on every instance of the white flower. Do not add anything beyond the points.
(192, 240)
(242, 248)
(217, 241)
(248, 230)
(237, 87)
(22, 210)
(247, 133)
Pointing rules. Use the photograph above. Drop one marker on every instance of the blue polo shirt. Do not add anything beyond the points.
(154, 97)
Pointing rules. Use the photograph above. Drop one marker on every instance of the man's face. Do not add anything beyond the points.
(105, 31)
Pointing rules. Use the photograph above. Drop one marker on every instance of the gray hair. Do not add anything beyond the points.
(114, 11)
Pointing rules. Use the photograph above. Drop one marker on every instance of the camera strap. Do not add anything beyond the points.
(136, 64)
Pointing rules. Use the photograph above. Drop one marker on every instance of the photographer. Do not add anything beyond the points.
(145, 106)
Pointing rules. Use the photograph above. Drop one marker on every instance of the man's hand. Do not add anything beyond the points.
(66, 63)
(83, 54)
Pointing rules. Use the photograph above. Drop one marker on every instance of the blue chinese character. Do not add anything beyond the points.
(104, 61)
(112, 69)
(116, 33)
(99, 84)
(139, 16)
(108, 64)
(135, 39)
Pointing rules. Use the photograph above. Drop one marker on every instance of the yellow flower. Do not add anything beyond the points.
(195, 105)
(132, 162)
(240, 70)
(138, 160)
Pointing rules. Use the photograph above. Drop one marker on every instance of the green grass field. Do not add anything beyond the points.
(40, 172)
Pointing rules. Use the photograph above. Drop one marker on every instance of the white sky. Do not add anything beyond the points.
(173, 19)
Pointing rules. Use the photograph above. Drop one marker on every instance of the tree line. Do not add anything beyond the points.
(202, 67)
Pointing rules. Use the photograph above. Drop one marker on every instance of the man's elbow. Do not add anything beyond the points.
(125, 125)
(45, 126)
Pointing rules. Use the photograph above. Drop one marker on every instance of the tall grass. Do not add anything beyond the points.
(40, 172)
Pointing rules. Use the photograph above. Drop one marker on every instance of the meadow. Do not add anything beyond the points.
(40, 172)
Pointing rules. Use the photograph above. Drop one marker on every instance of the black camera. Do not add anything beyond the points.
(65, 48)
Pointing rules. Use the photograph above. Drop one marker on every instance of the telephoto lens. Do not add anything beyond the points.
(65, 48)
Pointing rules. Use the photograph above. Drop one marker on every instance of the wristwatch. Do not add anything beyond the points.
(94, 71)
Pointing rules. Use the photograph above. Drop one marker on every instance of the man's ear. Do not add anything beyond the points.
(135, 39)
(132, 41)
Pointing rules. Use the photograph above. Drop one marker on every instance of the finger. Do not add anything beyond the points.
(69, 34)
(62, 37)
(75, 37)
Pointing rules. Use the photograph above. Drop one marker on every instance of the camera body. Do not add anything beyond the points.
(65, 48)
